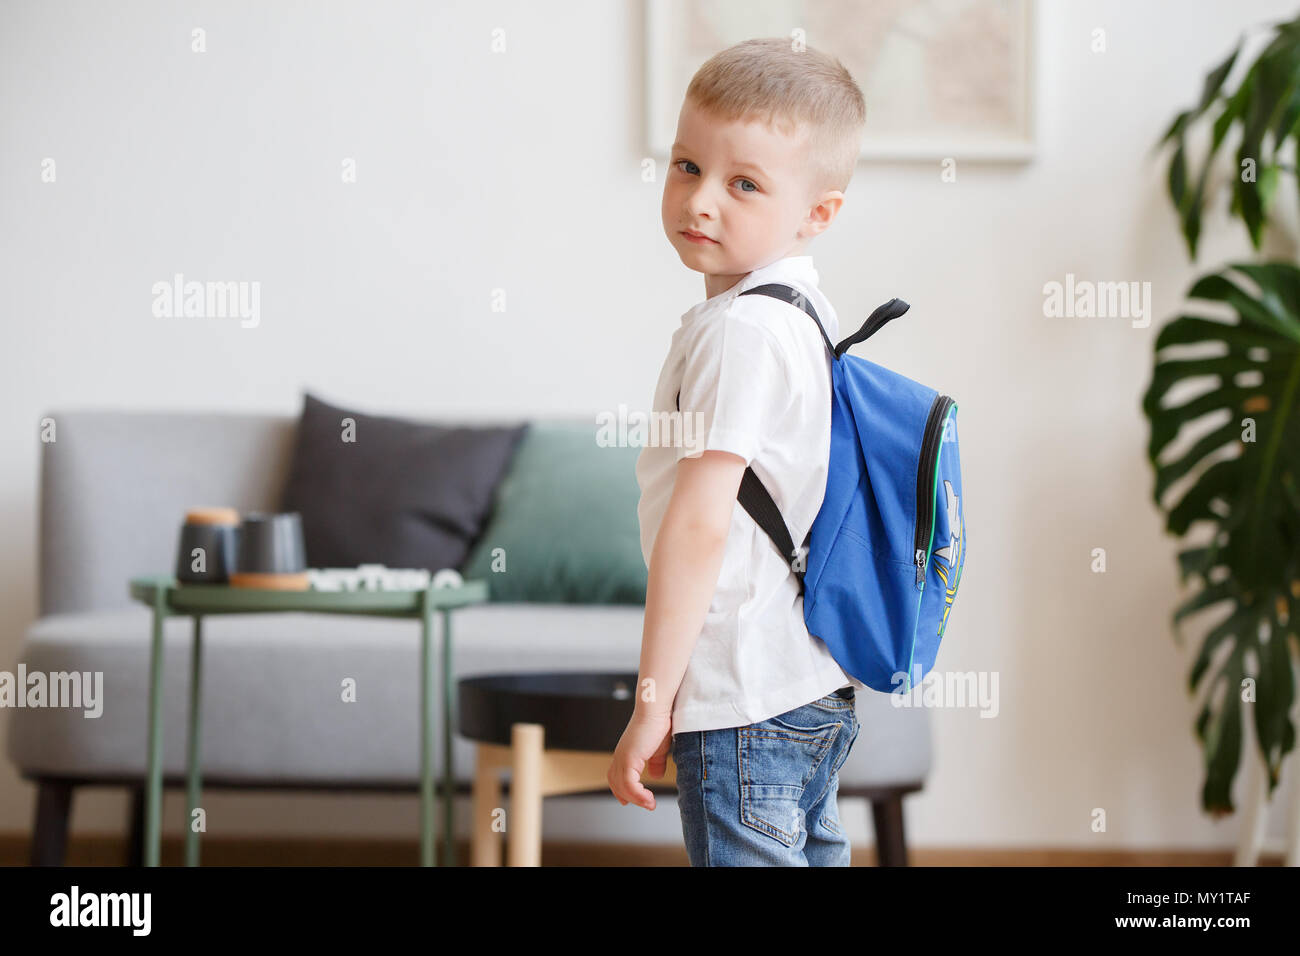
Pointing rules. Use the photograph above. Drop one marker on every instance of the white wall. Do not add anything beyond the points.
(521, 171)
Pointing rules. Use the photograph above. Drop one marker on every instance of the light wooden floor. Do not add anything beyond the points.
(110, 850)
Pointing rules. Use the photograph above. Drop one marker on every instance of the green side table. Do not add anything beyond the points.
(168, 598)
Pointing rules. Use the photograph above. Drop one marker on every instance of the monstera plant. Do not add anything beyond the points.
(1240, 471)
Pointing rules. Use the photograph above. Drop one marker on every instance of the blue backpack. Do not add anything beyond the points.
(885, 552)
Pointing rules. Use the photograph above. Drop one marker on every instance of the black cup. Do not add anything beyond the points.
(220, 543)
(272, 544)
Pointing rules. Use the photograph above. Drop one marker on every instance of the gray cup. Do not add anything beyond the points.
(271, 544)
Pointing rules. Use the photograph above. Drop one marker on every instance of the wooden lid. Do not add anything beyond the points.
(293, 581)
(213, 515)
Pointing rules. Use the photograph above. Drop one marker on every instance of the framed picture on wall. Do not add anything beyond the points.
(942, 78)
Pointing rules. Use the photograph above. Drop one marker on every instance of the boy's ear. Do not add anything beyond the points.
(823, 212)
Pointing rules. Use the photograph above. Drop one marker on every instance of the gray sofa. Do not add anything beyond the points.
(114, 486)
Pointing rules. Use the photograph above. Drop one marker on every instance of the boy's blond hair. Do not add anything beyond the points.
(769, 80)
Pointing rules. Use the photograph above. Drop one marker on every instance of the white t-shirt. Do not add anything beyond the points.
(758, 372)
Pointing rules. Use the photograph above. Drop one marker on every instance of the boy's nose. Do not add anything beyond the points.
(701, 205)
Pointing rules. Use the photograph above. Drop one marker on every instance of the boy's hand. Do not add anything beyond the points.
(645, 742)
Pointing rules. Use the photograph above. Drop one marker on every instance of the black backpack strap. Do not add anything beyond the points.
(797, 299)
(757, 501)
(753, 494)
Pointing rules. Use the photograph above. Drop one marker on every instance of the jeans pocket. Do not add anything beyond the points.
(778, 757)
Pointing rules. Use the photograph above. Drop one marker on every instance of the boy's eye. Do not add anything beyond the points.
(688, 167)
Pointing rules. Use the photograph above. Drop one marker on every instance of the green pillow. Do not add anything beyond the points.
(565, 518)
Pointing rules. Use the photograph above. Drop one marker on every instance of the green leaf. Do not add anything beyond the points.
(1197, 329)
(1262, 311)
(1271, 90)
(1275, 693)
(1208, 597)
(1176, 128)
(1214, 81)
(1171, 472)
(1279, 293)
(1227, 631)
(1178, 178)
(1222, 736)
(1215, 483)
(1267, 186)
(1194, 561)
(1166, 422)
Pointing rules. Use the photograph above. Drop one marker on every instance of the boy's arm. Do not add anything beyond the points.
(684, 567)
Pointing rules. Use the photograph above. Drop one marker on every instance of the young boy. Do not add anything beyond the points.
(758, 715)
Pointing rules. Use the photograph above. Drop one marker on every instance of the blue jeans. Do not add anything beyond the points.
(764, 794)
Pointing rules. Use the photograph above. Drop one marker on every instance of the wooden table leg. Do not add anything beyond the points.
(485, 841)
(535, 775)
(524, 826)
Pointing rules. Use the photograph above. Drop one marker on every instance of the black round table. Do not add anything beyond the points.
(580, 710)
(555, 732)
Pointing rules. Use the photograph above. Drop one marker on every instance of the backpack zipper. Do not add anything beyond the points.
(925, 483)
(926, 470)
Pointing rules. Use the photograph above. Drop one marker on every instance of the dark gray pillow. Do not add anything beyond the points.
(405, 494)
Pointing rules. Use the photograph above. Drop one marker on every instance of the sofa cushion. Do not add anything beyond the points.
(565, 521)
(392, 491)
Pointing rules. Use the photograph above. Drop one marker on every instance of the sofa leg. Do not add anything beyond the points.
(135, 828)
(891, 848)
(53, 813)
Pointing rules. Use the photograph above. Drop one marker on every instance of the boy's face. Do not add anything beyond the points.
(746, 189)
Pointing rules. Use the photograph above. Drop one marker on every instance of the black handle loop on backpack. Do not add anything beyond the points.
(885, 313)
(890, 310)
